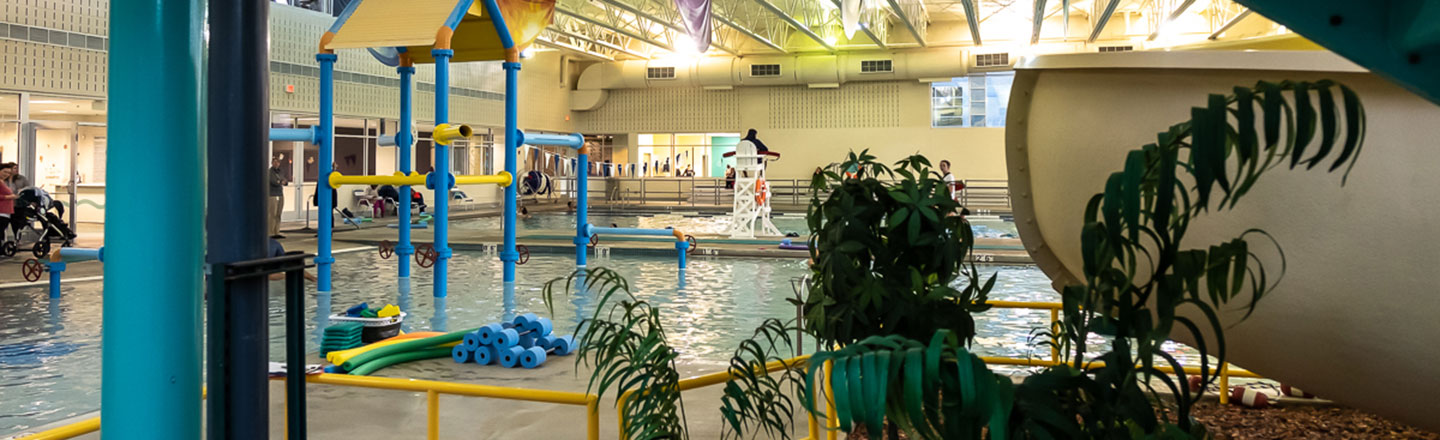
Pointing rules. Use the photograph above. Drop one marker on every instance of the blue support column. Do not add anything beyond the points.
(150, 384)
(324, 259)
(56, 268)
(403, 141)
(440, 177)
(680, 248)
(512, 94)
(582, 208)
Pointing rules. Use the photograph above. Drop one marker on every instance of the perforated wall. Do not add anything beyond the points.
(665, 110)
(853, 105)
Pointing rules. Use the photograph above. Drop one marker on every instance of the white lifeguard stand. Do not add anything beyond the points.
(752, 194)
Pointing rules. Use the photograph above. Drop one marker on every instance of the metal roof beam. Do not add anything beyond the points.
(912, 13)
(972, 15)
(548, 41)
(598, 35)
(668, 17)
(1179, 10)
(802, 27)
(1038, 22)
(1102, 20)
(1231, 23)
(753, 20)
(619, 25)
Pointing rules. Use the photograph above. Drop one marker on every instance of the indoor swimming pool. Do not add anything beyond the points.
(50, 351)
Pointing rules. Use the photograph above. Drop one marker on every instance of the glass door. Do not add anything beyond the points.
(53, 153)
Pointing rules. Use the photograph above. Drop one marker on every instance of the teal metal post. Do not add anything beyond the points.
(440, 178)
(404, 142)
(324, 259)
(512, 90)
(582, 207)
(150, 375)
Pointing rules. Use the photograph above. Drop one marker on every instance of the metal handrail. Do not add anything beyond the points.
(432, 390)
(692, 191)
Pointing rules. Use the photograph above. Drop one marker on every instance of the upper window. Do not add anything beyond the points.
(659, 73)
(978, 100)
(876, 66)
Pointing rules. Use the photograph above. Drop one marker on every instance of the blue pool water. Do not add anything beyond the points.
(50, 350)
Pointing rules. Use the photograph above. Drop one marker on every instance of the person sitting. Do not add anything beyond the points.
(417, 200)
(388, 195)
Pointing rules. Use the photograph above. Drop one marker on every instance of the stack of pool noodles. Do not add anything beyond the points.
(525, 342)
(363, 310)
(342, 336)
(404, 348)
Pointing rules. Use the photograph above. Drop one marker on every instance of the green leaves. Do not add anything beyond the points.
(929, 392)
(889, 249)
(1145, 210)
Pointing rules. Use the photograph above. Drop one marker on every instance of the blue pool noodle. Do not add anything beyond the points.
(461, 354)
(484, 355)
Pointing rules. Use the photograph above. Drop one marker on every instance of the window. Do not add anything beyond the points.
(764, 70)
(683, 154)
(659, 73)
(979, 100)
(876, 66)
(1104, 49)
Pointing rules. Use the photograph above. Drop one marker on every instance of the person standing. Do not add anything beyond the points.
(729, 177)
(7, 198)
(277, 195)
(15, 182)
(951, 184)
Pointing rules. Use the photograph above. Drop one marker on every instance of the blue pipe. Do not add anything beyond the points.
(293, 134)
(56, 268)
(512, 136)
(442, 169)
(149, 383)
(82, 254)
(327, 161)
(403, 141)
(598, 230)
(582, 210)
(681, 247)
(573, 140)
(492, 9)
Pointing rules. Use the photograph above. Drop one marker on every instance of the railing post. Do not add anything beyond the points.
(1224, 383)
(592, 418)
(432, 414)
(1054, 330)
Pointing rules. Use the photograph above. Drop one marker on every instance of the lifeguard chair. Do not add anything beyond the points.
(752, 194)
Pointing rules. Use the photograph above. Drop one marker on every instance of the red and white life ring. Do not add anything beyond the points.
(1248, 397)
(762, 189)
(1289, 391)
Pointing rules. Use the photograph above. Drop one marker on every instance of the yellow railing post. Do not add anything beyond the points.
(832, 420)
(592, 417)
(1224, 383)
(432, 414)
(620, 405)
(1055, 335)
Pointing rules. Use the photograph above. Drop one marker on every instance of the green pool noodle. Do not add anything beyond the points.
(375, 365)
(402, 347)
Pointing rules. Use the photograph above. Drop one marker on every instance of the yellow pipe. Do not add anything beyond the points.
(832, 419)
(1024, 305)
(1054, 331)
(679, 236)
(1224, 371)
(1224, 383)
(620, 405)
(432, 414)
(592, 418)
(68, 431)
(444, 134)
(503, 179)
(459, 389)
(398, 179)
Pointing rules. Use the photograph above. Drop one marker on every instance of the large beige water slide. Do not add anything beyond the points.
(1357, 317)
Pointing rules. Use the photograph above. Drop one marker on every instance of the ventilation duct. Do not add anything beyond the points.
(821, 70)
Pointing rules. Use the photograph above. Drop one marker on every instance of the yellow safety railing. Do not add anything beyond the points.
(433, 390)
(503, 179)
(68, 431)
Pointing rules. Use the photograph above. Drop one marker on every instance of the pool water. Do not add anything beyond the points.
(984, 226)
(50, 350)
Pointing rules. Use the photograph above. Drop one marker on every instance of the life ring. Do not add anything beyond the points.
(761, 190)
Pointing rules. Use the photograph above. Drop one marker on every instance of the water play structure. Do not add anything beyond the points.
(751, 209)
(1356, 277)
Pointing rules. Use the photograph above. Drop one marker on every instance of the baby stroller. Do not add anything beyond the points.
(37, 221)
(535, 184)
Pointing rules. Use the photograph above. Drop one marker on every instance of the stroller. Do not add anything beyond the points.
(37, 217)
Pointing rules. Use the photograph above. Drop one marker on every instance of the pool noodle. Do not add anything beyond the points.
(462, 354)
(795, 247)
(392, 359)
(339, 357)
(411, 345)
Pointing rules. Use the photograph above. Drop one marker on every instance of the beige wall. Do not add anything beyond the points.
(809, 127)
